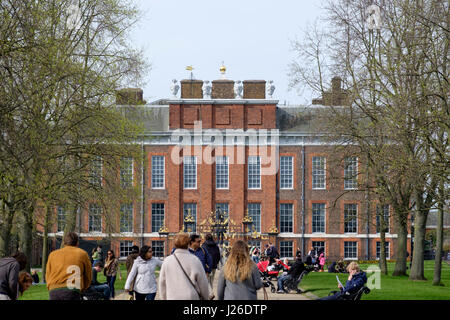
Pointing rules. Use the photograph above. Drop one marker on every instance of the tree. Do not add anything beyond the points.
(58, 84)
(395, 83)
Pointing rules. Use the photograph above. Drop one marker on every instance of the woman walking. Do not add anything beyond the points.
(142, 274)
(240, 278)
(182, 276)
(110, 271)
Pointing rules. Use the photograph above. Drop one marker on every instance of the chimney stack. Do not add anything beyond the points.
(191, 89)
(223, 89)
(254, 89)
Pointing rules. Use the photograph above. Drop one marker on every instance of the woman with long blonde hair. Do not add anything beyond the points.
(240, 278)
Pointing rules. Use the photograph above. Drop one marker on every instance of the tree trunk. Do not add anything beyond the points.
(26, 235)
(45, 242)
(400, 255)
(439, 237)
(417, 267)
(71, 222)
(5, 231)
(383, 262)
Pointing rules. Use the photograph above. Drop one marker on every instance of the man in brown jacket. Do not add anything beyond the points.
(69, 270)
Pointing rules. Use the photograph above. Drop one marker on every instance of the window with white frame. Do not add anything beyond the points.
(386, 248)
(286, 217)
(350, 250)
(254, 172)
(351, 173)
(95, 177)
(125, 248)
(157, 216)
(286, 249)
(383, 211)
(254, 211)
(350, 218)
(126, 172)
(62, 214)
(318, 217)
(158, 249)
(319, 246)
(158, 172)
(221, 172)
(286, 172)
(126, 217)
(318, 172)
(190, 172)
(95, 218)
(192, 209)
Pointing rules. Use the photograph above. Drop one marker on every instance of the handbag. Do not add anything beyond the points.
(199, 295)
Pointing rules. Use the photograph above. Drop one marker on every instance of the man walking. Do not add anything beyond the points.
(213, 250)
(272, 253)
(202, 254)
(69, 270)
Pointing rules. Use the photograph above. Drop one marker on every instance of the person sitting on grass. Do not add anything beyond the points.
(355, 282)
(97, 286)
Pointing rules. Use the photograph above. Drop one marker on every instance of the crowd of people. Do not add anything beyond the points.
(186, 274)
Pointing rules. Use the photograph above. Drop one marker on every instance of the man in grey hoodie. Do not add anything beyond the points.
(9, 275)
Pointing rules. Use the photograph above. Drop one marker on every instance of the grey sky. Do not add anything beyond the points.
(252, 37)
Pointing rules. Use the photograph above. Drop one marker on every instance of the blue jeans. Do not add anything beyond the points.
(282, 279)
(144, 296)
(110, 280)
(104, 289)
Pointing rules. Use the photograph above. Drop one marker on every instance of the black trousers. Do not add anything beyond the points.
(64, 294)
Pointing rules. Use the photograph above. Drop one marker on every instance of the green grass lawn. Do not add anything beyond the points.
(392, 288)
(40, 292)
(320, 283)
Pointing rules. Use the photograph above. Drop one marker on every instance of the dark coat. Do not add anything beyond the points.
(204, 257)
(213, 251)
(357, 282)
(9, 277)
(297, 268)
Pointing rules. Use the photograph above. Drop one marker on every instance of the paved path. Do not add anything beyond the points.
(272, 296)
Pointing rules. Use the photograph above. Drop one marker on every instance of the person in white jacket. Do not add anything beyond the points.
(182, 276)
(142, 275)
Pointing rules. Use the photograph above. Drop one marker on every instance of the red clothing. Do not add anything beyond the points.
(262, 265)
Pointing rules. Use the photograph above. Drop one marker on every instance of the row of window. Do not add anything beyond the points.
(254, 172)
(126, 172)
(222, 172)
(254, 211)
(286, 248)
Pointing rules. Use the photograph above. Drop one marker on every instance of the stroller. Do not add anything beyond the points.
(266, 281)
(271, 272)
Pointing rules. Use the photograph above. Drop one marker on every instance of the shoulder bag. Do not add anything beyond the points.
(199, 295)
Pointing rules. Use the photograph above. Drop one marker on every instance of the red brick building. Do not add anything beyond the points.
(247, 155)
